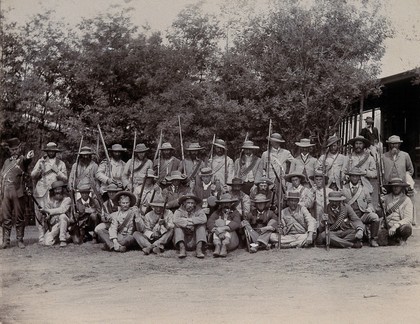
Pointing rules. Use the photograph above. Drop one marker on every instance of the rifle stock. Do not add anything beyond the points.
(106, 152)
(324, 189)
(132, 161)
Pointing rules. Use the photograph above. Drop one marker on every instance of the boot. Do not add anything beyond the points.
(182, 253)
(216, 252)
(147, 250)
(373, 243)
(20, 244)
(199, 250)
(223, 252)
(6, 239)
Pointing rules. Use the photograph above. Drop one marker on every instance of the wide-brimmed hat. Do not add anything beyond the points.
(189, 196)
(260, 198)
(396, 182)
(276, 137)
(51, 147)
(206, 171)
(249, 145)
(394, 139)
(112, 187)
(166, 146)
(319, 173)
(333, 139)
(85, 150)
(13, 143)
(356, 171)
(140, 148)
(84, 187)
(288, 177)
(359, 138)
(336, 196)
(369, 119)
(235, 181)
(220, 143)
(124, 193)
(57, 184)
(117, 148)
(176, 175)
(158, 201)
(194, 147)
(226, 198)
(293, 194)
(263, 180)
(150, 174)
(304, 142)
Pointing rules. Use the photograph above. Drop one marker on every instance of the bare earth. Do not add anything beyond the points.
(80, 284)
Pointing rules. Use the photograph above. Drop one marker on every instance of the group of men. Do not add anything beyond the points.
(261, 202)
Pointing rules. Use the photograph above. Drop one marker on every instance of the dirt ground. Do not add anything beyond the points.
(80, 284)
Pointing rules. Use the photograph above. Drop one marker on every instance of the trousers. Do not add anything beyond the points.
(144, 242)
(58, 230)
(339, 239)
(13, 204)
(126, 240)
(190, 237)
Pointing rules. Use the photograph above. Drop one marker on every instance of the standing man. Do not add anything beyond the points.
(334, 163)
(317, 209)
(304, 163)
(205, 188)
(141, 165)
(246, 166)
(243, 205)
(109, 207)
(192, 164)
(176, 189)
(46, 170)
(166, 163)
(84, 171)
(12, 191)
(370, 132)
(280, 159)
(112, 172)
(221, 164)
(150, 189)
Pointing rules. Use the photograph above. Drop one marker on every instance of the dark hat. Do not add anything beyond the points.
(292, 195)
(125, 193)
(57, 184)
(220, 143)
(206, 171)
(236, 181)
(51, 147)
(166, 146)
(276, 137)
(394, 139)
(85, 150)
(194, 147)
(249, 145)
(333, 139)
(158, 201)
(260, 198)
(84, 187)
(395, 182)
(288, 177)
(304, 142)
(356, 171)
(117, 148)
(140, 148)
(13, 143)
(189, 196)
(113, 188)
(359, 138)
(318, 173)
(336, 196)
(176, 175)
(369, 120)
(263, 180)
(226, 198)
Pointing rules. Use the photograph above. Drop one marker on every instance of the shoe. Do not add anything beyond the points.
(373, 243)
(223, 251)
(357, 245)
(199, 250)
(105, 247)
(157, 250)
(122, 249)
(21, 245)
(216, 252)
(5, 245)
(253, 248)
(63, 244)
(182, 253)
(147, 250)
(402, 243)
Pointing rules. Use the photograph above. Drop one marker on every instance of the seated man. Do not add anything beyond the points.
(56, 210)
(263, 186)
(205, 189)
(119, 237)
(295, 184)
(396, 228)
(108, 208)
(360, 200)
(176, 189)
(260, 225)
(298, 226)
(147, 190)
(223, 223)
(87, 213)
(190, 226)
(319, 180)
(158, 228)
(345, 228)
(243, 201)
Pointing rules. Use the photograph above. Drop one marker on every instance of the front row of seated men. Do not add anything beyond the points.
(348, 219)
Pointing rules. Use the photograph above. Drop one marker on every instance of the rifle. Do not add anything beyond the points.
(182, 145)
(72, 193)
(279, 209)
(141, 194)
(226, 170)
(380, 186)
(106, 152)
(268, 150)
(132, 162)
(157, 153)
(46, 222)
(240, 156)
(327, 225)
(211, 150)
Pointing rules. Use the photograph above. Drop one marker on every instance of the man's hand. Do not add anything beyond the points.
(309, 239)
(359, 234)
(392, 230)
(30, 154)
(54, 168)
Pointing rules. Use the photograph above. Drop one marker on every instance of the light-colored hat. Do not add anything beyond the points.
(112, 187)
(369, 119)
(263, 180)
(394, 139)
(289, 177)
(319, 173)
(220, 143)
(189, 196)
(206, 171)
(51, 147)
(140, 148)
(226, 198)
(84, 187)
(125, 193)
(166, 146)
(293, 195)
(57, 184)
(359, 138)
(395, 182)
(333, 139)
(85, 150)
(194, 147)
(336, 196)
(276, 137)
(176, 175)
(304, 142)
(117, 148)
(249, 145)
(260, 198)
(356, 171)
(158, 201)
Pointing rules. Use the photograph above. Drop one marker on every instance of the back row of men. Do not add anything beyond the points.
(252, 183)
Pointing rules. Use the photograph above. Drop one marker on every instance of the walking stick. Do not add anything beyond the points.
(157, 153)
(182, 146)
(132, 162)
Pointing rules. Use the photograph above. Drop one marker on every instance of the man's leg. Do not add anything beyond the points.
(41, 217)
(63, 223)
(128, 241)
(200, 239)
(164, 240)
(372, 219)
(342, 239)
(103, 234)
(51, 236)
(404, 232)
(20, 220)
(7, 211)
(179, 241)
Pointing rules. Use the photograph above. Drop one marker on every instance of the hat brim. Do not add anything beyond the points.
(235, 184)
(85, 153)
(51, 150)
(342, 198)
(269, 182)
(119, 150)
(354, 140)
(183, 198)
(226, 201)
(141, 151)
(313, 177)
(275, 140)
(338, 139)
(304, 144)
(251, 147)
(261, 201)
(175, 178)
(167, 148)
(356, 174)
(194, 149)
(124, 193)
(389, 186)
(220, 145)
(205, 174)
(289, 177)
(394, 142)
(152, 204)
